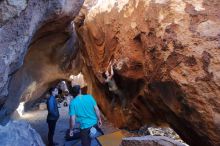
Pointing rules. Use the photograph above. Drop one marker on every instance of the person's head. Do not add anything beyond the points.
(75, 90)
(53, 91)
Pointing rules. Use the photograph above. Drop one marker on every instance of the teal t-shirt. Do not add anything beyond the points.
(82, 106)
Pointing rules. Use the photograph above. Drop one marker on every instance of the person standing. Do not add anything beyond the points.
(53, 114)
(85, 110)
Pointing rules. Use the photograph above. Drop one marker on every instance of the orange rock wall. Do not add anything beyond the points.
(167, 63)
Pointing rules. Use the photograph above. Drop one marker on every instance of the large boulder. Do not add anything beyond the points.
(12, 135)
(37, 46)
(166, 63)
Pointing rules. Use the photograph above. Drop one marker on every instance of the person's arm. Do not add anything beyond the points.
(112, 72)
(72, 123)
(96, 109)
(98, 115)
(72, 117)
(109, 75)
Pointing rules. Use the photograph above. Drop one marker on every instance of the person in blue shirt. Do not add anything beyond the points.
(53, 114)
(84, 108)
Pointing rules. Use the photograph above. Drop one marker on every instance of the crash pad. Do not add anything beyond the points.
(112, 139)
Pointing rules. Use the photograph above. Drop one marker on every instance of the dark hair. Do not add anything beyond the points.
(104, 75)
(51, 90)
(59, 91)
(74, 91)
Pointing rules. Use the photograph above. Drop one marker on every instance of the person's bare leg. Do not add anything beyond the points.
(122, 98)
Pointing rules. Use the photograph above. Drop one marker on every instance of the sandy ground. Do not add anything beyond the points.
(37, 119)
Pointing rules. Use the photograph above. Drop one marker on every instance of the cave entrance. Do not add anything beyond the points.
(37, 116)
(64, 86)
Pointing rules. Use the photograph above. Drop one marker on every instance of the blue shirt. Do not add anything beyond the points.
(53, 112)
(82, 106)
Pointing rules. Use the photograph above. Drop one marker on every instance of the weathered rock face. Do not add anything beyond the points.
(167, 62)
(42, 32)
(11, 134)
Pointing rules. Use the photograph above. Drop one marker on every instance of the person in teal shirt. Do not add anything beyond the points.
(84, 108)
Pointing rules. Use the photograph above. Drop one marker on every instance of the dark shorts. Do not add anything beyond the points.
(84, 135)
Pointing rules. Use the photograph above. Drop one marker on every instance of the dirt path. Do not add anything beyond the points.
(37, 119)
